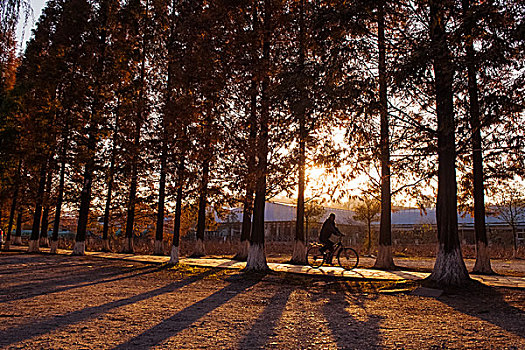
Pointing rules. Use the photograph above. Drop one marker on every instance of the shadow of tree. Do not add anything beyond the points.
(356, 330)
(71, 280)
(39, 261)
(488, 304)
(265, 324)
(184, 318)
(27, 331)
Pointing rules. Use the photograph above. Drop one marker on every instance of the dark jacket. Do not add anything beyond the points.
(327, 230)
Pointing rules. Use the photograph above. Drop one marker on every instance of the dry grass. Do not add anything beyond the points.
(281, 251)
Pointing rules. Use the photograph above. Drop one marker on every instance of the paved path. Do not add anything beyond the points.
(358, 273)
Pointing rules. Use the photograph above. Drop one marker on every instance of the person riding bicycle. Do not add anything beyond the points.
(328, 230)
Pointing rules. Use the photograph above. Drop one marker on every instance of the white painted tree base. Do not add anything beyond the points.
(199, 249)
(105, 245)
(127, 247)
(54, 247)
(33, 246)
(174, 255)
(79, 248)
(384, 260)
(158, 248)
(256, 258)
(299, 253)
(17, 240)
(482, 264)
(242, 255)
(449, 269)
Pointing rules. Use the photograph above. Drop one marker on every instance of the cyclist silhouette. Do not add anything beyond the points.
(328, 230)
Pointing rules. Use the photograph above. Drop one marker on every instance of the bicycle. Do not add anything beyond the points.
(347, 257)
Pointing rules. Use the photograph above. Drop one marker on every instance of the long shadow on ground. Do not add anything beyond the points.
(27, 331)
(184, 318)
(488, 304)
(68, 279)
(264, 326)
(37, 289)
(348, 331)
(10, 264)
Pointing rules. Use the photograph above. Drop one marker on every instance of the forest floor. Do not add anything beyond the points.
(64, 302)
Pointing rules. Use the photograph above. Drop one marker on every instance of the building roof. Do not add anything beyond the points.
(275, 212)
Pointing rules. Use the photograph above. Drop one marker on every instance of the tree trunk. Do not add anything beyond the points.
(85, 198)
(18, 232)
(515, 242)
(369, 243)
(11, 220)
(257, 255)
(44, 241)
(60, 198)
(107, 211)
(174, 254)
(130, 220)
(482, 264)
(242, 255)
(89, 168)
(111, 178)
(299, 248)
(159, 233)
(201, 218)
(384, 259)
(13, 206)
(37, 215)
(168, 111)
(159, 229)
(449, 269)
(244, 248)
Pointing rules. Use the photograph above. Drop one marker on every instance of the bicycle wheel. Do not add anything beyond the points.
(347, 258)
(315, 256)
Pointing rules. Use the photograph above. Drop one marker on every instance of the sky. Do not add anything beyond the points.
(24, 29)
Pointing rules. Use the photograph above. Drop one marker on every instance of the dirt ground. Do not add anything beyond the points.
(508, 267)
(63, 302)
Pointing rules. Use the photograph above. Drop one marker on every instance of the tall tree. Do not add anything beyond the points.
(384, 254)
(44, 225)
(174, 252)
(14, 203)
(201, 216)
(449, 268)
(482, 264)
(139, 16)
(18, 232)
(110, 182)
(242, 254)
(60, 191)
(299, 249)
(97, 40)
(257, 254)
(248, 140)
(37, 214)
